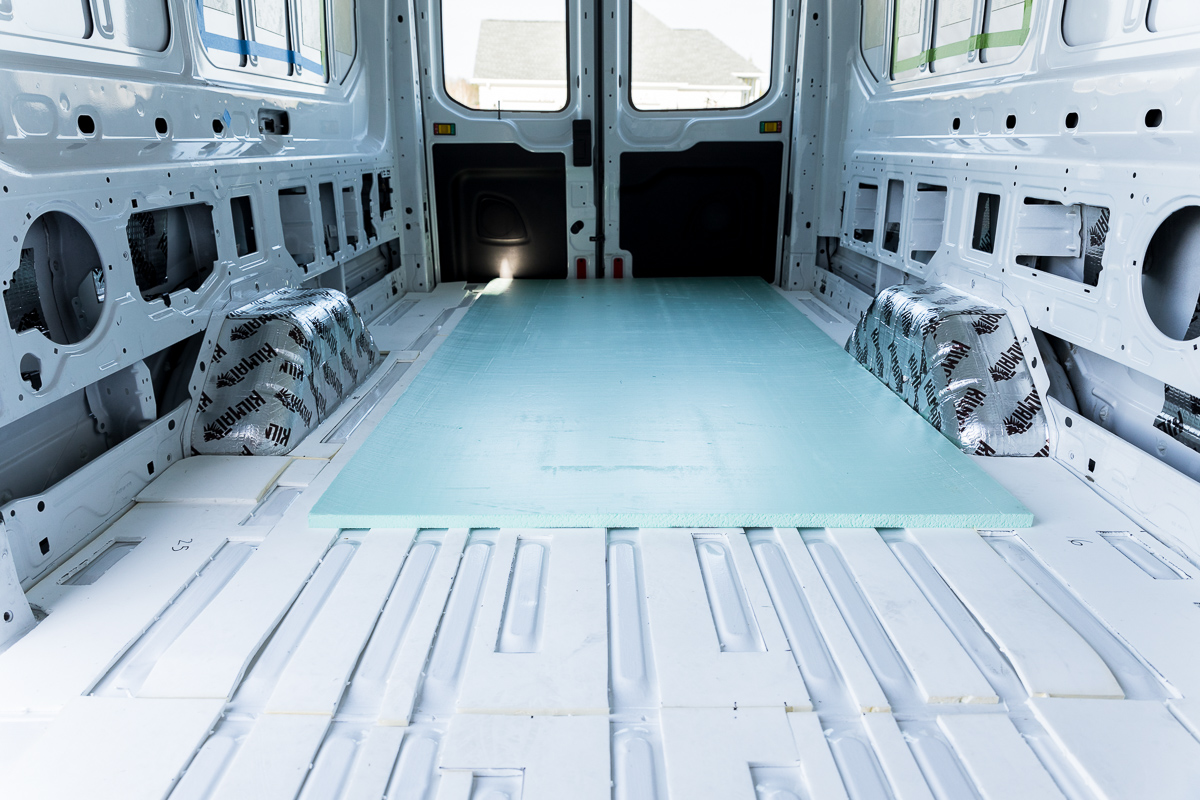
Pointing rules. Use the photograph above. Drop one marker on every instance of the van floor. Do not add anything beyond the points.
(210, 645)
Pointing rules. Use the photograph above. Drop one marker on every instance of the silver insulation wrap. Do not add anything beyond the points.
(1180, 417)
(957, 362)
(281, 364)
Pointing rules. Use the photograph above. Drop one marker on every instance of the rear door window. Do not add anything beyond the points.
(505, 55)
(699, 54)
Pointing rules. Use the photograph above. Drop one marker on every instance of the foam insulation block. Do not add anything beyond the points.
(653, 403)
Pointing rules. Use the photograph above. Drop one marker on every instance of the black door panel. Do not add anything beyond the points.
(709, 211)
(502, 212)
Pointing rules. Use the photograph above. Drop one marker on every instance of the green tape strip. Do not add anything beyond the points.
(980, 41)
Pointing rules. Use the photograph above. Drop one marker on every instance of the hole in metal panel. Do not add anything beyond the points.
(385, 194)
(329, 225)
(987, 215)
(928, 222)
(171, 248)
(295, 212)
(1170, 282)
(59, 285)
(893, 214)
(351, 215)
(31, 371)
(368, 183)
(243, 225)
(866, 205)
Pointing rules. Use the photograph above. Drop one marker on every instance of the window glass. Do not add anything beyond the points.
(1006, 25)
(874, 34)
(67, 18)
(271, 53)
(1172, 15)
(270, 15)
(507, 55)
(1092, 21)
(344, 37)
(343, 27)
(112, 24)
(140, 24)
(312, 33)
(223, 22)
(908, 39)
(695, 54)
(954, 25)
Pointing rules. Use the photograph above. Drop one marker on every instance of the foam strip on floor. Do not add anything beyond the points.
(654, 403)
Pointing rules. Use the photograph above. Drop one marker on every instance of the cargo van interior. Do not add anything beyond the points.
(623, 399)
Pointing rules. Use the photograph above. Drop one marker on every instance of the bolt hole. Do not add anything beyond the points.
(218, 127)
(1011, 122)
(1069, 422)
(87, 125)
(8, 616)
(44, 546)
(1072, 120)
(41, 505)
(1154, 118)
(160, 126)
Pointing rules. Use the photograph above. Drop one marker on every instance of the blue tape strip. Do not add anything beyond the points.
(228, 44)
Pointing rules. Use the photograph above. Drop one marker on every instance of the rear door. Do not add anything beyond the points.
(507, 100)
(697, 116)
(607, 138)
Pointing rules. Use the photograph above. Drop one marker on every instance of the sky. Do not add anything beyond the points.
(744, 25)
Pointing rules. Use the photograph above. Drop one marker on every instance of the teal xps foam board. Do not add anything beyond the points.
(653, 403)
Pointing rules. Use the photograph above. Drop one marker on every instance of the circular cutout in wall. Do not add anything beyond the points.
(58, 285)
(1171, 275)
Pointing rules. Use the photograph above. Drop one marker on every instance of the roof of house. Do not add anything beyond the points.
(521, 50)
(662, 54)
(536, 51)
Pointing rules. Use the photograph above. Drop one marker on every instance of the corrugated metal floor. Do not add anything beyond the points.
(232, 653)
